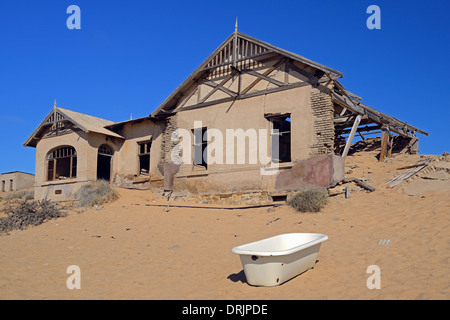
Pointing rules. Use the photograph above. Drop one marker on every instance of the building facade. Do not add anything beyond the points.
(251, 117)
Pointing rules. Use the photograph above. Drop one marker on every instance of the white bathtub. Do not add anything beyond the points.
(275, 260)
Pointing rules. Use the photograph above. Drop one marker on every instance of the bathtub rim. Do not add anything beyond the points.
(320, 238)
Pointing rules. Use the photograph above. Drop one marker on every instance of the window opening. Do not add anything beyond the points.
(281, 130)
(200, 147)
(62, 164)
(144, 157)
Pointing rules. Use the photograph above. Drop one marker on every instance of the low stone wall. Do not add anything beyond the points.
(238, 198)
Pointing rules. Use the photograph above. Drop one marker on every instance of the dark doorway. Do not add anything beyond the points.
(104, 163)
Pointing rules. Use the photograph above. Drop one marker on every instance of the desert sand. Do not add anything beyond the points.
(132, 249)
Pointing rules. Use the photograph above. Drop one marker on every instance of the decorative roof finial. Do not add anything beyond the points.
(236, 26)
(54, 106)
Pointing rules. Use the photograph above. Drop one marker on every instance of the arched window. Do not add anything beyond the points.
(62, 164)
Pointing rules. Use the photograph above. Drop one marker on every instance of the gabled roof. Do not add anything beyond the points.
(84, 122)
(238, 47)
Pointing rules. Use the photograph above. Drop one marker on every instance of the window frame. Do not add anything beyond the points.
(62, 152)
(203, 144)
(147, 152)
(286, 133)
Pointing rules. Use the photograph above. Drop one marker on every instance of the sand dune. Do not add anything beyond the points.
(130, 250)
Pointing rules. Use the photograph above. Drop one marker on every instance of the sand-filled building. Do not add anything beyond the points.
(252, 117)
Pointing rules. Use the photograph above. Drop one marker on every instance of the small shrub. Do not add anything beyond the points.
(29, 213)
(95, 193)
(309, 200)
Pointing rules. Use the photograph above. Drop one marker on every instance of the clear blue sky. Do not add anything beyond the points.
(130, 55)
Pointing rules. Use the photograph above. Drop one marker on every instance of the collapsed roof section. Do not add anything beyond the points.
(348, 106)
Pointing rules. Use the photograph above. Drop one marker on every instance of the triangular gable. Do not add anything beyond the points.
(235, 52)
(58, 116)
(240, 47)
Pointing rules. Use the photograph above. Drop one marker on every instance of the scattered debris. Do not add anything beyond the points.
(341, 189)
(402, 177)
(436, 175)
(347, 192)
(415, 165)
(336, 190)
(169, 194)
(364, 185)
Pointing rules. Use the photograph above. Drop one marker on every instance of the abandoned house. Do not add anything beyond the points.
(15, 181)
(245, 85)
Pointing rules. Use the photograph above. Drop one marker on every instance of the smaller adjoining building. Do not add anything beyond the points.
(15, 181)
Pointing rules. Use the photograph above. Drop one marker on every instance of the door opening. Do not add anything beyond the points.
(104, 160)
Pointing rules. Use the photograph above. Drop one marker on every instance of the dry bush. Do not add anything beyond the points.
(95, 193)
(29, 213)
(309, 200)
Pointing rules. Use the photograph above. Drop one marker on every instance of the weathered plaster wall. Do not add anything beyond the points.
(312, 133)
(126, 166)
(46, 189)
(86, 146)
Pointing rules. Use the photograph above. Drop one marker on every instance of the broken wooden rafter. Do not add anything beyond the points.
(349, 101)
(384, 142)
(352, 134)
(362, 129)
(341, 189)
(363, 185)
(402, 177)
(344, 119)
(414, 165)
